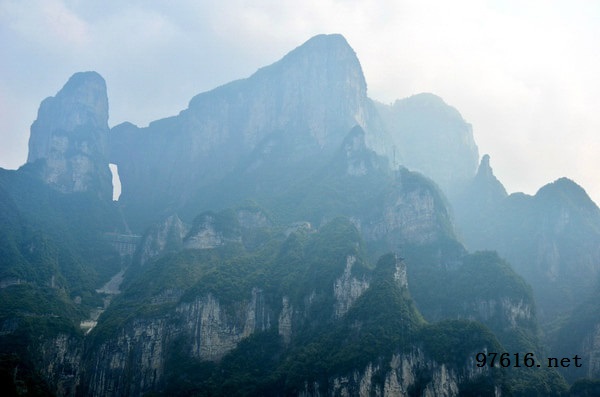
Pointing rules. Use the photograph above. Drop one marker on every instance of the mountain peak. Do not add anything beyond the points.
(81, 101)
(71, 135)
(485, 170)
(325, 58)
(566, 190)
(486, 181)
(324, 45)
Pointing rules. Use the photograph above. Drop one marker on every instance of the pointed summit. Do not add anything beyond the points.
(295, 113)
(81, 102)
(568, 192)
(484, 167)
(328, 58)
(70, 136)
(489, 187)
(317, 89)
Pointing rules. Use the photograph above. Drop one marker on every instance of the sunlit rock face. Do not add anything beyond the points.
(70, 137)
(348, 288)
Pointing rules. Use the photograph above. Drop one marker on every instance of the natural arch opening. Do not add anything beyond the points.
(116, 181)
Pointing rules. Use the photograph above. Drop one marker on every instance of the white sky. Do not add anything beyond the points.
(525, 74)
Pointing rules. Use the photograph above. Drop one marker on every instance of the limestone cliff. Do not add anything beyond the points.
(413, 210)
(431, 137)
(551, 238)
(208, 232)
(133, 361)
(348, 288)
(70, 137)
(162, 237)
(296, 110)
(61, 363)
(403, 375)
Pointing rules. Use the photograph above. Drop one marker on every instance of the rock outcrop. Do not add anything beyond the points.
(235, 299)
(348, 288)
(300, 107)
(413, 210)
(70, 137)
(403, 376)
(162, 237)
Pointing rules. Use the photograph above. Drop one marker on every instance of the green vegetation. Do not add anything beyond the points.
(585, 388)
(51, 261)
(53, 254)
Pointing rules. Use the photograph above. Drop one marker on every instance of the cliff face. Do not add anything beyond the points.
(134, 361)
(61, 363)
(431, 137)
(403, 376)
(300, 108)
(70, 136)
(208, 230)
(235, 299)
(347, 288)
(143, 356)
(551, 238)
(412, 211)
(162, 237)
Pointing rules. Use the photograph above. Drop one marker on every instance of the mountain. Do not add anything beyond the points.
(275, 126)
(293, 237)
(52, 258)
(551, 238)
(298, 110)
(477, 204)
(309, 307)
(70, 137)
(431, 137)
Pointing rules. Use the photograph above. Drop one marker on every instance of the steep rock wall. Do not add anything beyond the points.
(70, 137)
(403, 375)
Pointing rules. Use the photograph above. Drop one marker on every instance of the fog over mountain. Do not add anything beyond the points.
(523, 75)
(285, 234)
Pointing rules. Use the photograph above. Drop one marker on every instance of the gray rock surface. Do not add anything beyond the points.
(70, 137)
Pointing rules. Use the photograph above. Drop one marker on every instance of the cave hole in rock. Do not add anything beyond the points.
(116, 181)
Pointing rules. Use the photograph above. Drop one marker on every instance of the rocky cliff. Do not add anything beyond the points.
(257, 136)
(70, 137)
(431, 137)
(183, 330)
(551, 238)
(404, 375)
(300, 107)
(276, 277)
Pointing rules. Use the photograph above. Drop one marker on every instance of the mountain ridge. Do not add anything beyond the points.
(283, 248)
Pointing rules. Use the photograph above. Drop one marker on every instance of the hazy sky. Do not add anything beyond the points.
(525, 74)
